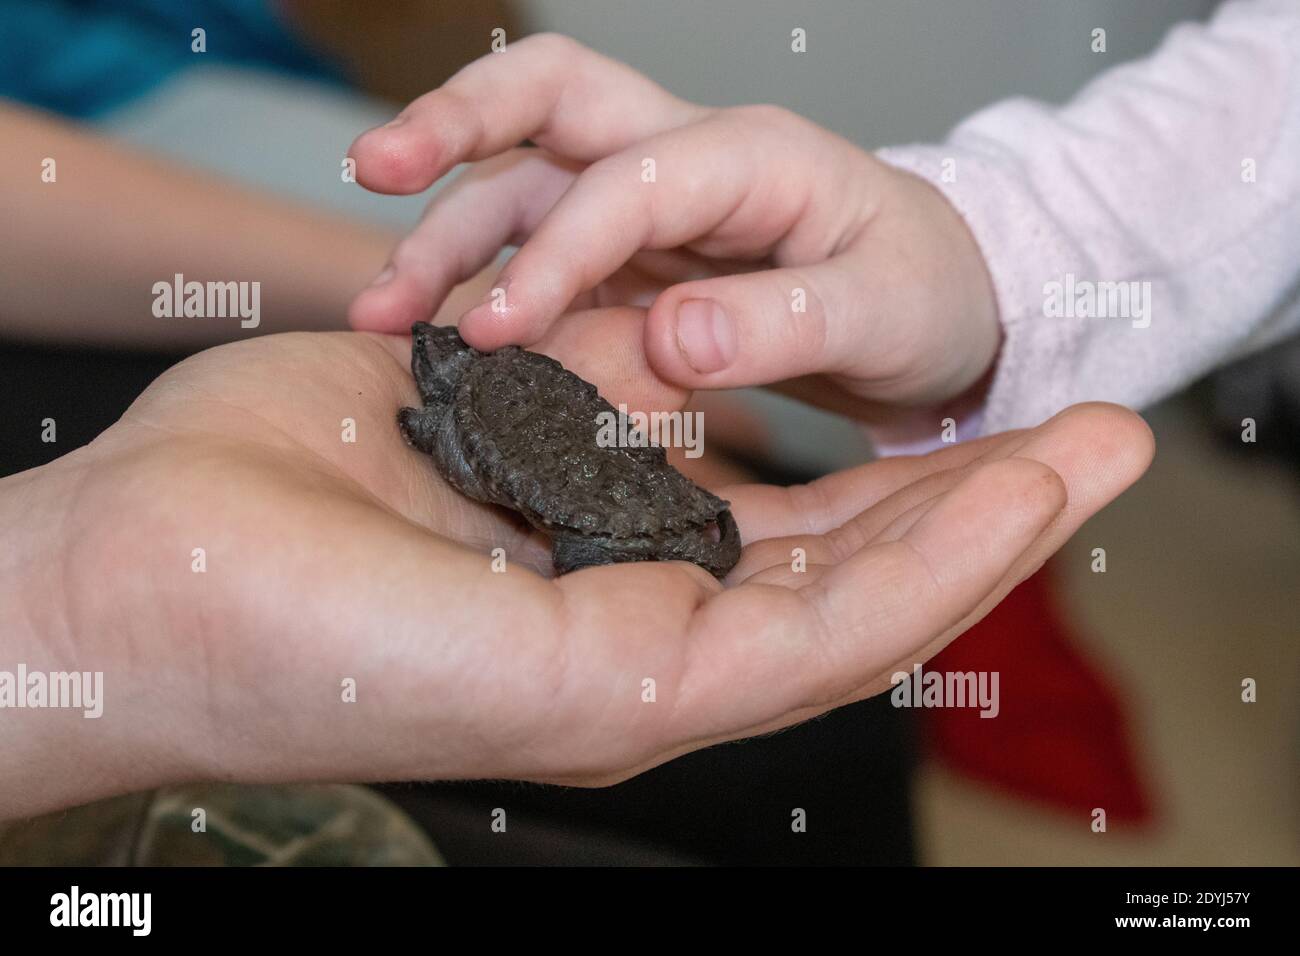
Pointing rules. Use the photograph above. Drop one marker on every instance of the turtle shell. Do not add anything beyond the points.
(528, 427)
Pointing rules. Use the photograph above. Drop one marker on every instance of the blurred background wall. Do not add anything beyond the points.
(876, 71)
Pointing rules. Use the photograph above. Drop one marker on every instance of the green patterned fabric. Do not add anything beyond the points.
(299, 825)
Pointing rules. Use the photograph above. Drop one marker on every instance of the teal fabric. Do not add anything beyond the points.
(83, 58)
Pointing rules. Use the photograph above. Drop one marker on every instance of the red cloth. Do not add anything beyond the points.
(1061, 736)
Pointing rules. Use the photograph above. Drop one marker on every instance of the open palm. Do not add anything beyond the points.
(329, 563)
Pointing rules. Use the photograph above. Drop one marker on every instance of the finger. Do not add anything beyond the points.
(814, 645)
(862, 315)
(733, 185)
(493, 205)
(546, 88)
(601, 345)
(759, 660)
(604, 347)
(769, 560)
(762, 327)
(1099, 450)
(823, 505)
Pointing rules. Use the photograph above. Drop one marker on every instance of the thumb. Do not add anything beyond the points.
(757, 328)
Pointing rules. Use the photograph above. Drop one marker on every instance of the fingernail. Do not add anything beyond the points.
(383, 276)
(705, 335)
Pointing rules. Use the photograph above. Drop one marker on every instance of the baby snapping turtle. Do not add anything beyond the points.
(516, 428)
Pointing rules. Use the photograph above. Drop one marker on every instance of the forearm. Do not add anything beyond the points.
(84, 252)
(1175, 178)
(52, 754)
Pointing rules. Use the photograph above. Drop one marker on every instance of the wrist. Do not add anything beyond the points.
(918, 431)
(32, 525)
(63, 734)
(37, 741)
(965, 311)
(938, 329)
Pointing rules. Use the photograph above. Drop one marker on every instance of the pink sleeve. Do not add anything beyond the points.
(1145, 232)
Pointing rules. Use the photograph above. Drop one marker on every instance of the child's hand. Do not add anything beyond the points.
(770, 248)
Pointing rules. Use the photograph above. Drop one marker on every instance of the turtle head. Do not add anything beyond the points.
(438, 357)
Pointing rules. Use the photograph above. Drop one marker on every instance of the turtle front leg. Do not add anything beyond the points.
(571, 551)
(714, 548)
(428, 430)
(419, 427)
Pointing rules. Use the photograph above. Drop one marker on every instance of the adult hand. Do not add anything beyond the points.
(327, 561)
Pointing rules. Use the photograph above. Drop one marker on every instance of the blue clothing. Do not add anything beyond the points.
(82, 58)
